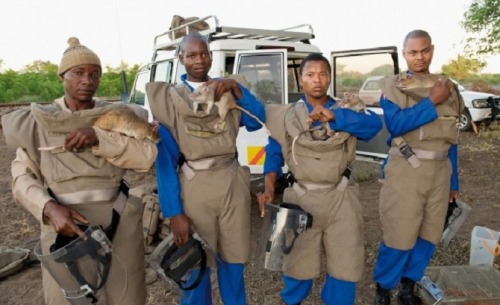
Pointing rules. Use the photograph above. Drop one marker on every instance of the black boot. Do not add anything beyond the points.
(383, 296)
(406, 295)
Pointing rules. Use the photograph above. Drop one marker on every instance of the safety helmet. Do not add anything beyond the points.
(80, 267)
(179, 263)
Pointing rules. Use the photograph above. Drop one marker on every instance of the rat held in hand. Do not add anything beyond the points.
(125, 121)
(323, 132)
(205, 94)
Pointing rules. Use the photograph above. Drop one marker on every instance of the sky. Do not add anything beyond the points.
(123, 30)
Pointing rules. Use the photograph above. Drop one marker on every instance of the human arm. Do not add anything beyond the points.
(362, 125)
(268, 195)
(29, 191)
(62, 219)
(169, 187)
(245, 99)
(123, 151)
(272, 170)
(400, 121)
(454, 186)
(274, 160)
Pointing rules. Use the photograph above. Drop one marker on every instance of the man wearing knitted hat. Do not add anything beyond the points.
(80, 185)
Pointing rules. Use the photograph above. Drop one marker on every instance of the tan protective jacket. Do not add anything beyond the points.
(318, 161)
(63, 172)
(194, 133)
(437, 135)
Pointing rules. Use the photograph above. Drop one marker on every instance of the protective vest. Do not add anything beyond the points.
(437, 135)
(195, 133)
(64, 171)
(318, 161)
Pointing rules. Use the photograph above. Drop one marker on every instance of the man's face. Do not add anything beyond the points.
(418, 54)
(315, 79)
(81, 82)
(197, 60)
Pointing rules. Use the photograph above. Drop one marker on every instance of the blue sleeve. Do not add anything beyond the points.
(169, 189)
(453, 155)
(400, 121)
(249, 102)
(274, 158)
(362, 125)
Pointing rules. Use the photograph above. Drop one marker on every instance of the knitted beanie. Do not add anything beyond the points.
(76, 55)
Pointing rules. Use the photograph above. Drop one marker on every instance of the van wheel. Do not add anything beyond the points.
(465, 121)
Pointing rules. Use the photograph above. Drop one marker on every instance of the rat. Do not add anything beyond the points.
(417, 85)
(322, 132)
(125, 121)
(205, 94)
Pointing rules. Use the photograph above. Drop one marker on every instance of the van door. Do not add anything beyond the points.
(357, 71)
(265, 71)
(162, 71)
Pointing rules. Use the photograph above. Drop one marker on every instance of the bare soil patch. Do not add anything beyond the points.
(479, 163)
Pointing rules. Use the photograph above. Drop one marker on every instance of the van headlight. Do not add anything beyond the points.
(480, 104)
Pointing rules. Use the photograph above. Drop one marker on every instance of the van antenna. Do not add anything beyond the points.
(124, 95)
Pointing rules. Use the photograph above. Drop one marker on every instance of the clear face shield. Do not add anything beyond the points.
(455, 217)
(80, 267)
(282, 226)
(181, 266)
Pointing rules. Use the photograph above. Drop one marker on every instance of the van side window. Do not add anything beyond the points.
(360, 74)
(138, 95)
(264, 74)
(294, 89)
(229, 65)
(163, 72)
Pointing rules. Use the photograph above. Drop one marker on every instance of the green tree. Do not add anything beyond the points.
(462, 68)
(39, 82)
(6, 83)
(482, 22)
(382, 70)
(350, 79)
(42, 67)
(112, 80)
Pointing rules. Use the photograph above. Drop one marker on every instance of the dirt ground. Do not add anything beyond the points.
(479, 163)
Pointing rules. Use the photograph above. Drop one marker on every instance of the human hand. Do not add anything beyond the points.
(62, 217)
(322, 114)
(80, 139)
(224, 85)
(440, 91)
(181, 227)
(453, 196)
(262, 199)
(156, 125)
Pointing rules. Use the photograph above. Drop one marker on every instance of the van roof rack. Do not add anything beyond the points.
(216, 31)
